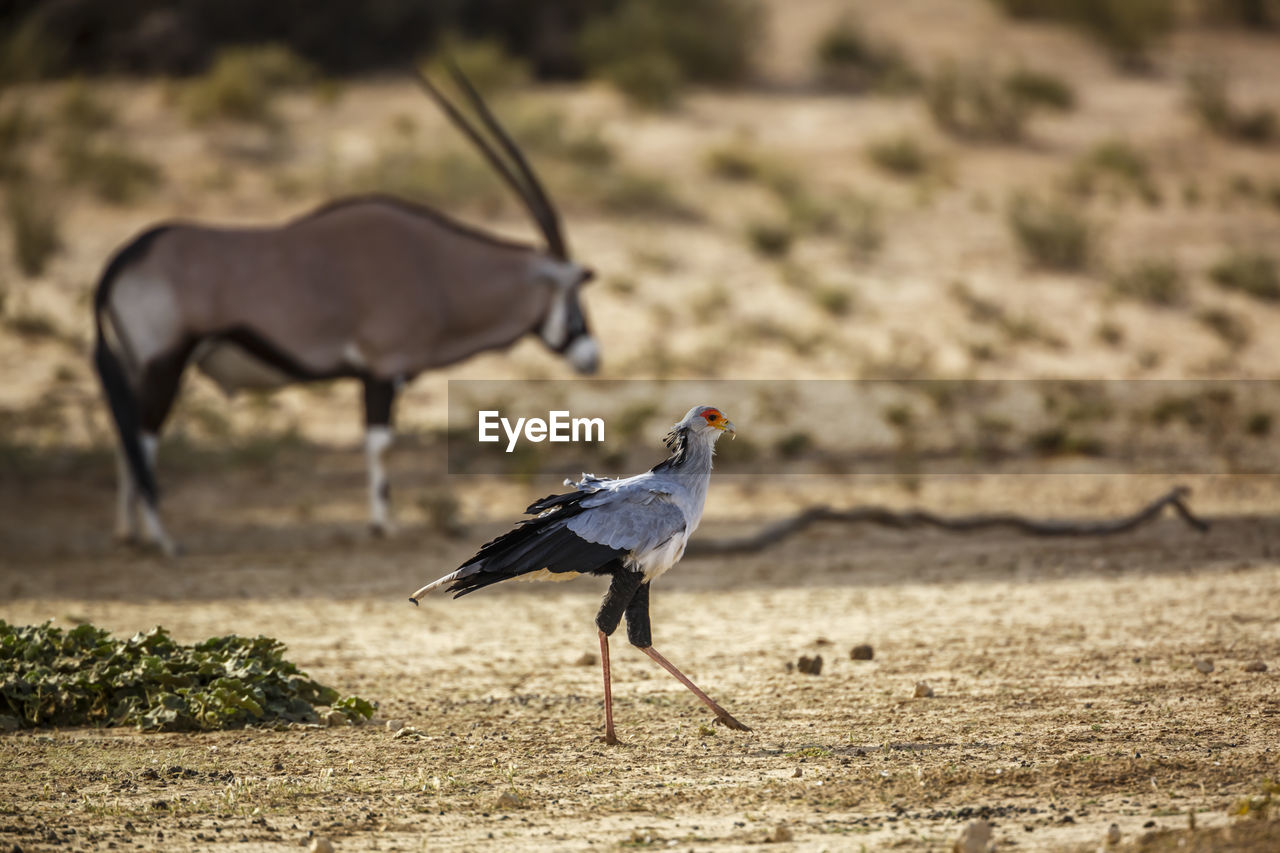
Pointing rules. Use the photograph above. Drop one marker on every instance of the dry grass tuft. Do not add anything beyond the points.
(1156, 281)
(1252, 273)
(1051, 233)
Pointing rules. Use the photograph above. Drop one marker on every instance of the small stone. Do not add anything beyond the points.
(335, 718)
(408, 732)
(781, 834)
(1204, 666)
(587, 659)
(509, 800)
(1113, 834)
(395, 725)
(320, 844)
(974, 838)
(799, 773)
(862, 651)
(923, 690)
(810, 665)
(1255, 666)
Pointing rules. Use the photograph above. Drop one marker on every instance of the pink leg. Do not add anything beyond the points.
(722, 716)
(609, 737)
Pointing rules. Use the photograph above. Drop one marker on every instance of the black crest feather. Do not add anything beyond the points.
(677, 441)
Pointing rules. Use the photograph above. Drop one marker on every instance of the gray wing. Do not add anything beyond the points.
(634, 515)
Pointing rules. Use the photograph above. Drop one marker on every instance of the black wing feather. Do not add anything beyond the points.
(538, 543)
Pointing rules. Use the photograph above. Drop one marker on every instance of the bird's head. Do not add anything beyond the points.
(708, 421)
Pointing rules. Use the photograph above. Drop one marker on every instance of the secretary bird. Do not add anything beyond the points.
(633, 530)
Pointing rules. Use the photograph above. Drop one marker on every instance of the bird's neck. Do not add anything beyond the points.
(691, 455)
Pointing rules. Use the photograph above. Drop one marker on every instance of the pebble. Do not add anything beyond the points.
(320, 844)
(335, 718)
(862, 651)
(509, 800)
(781, 834)
(1204, 666)
(974, 838)
(810, 665)
(798, 774)
(587, 659)
(1255, 666)
(407, 732)
(1113, 834)
(924, 691)
(395, 725)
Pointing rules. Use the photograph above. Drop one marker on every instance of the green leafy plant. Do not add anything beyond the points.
(84, 677)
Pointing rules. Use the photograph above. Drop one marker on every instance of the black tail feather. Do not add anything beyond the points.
(538, 544)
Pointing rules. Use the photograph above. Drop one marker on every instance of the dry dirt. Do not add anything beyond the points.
(1065, 692)
(1066, 696)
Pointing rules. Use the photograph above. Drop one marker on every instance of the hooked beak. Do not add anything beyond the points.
(726, 425)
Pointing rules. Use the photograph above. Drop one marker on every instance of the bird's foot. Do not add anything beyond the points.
(728, 721)
(609, 738)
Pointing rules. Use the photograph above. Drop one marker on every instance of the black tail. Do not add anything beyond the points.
(537, 543)
(124, 411)
(115, 383)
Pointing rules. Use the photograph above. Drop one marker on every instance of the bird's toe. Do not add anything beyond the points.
(729, 722)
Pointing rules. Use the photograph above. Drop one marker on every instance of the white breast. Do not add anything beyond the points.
(655, 562)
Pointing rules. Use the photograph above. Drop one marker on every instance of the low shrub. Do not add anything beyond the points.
(1156, 281)
(33, 227)
(1040, 89)
(242, 85)
(969, 103)
(649, 49)
(850, 60)
(900, 155)
(1209, 99)
(1051, 233)
(84, 677)
(113, 174)
(1252, 273)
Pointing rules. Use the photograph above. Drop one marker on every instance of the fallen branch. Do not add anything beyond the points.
(789, 527)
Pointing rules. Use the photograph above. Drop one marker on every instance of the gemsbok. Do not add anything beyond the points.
(372, 288)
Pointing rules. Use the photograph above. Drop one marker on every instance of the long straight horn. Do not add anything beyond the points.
(549, 227)
(550, 219)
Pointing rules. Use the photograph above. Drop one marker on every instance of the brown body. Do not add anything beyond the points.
(371, 287)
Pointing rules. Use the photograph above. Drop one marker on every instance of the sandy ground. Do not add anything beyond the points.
(1066, 695)
(1065, 692)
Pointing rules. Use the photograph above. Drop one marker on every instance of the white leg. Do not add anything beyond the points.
(126, 500)
(377, 439)
(150, 518)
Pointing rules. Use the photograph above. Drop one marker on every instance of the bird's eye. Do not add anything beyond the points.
(711, 416)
